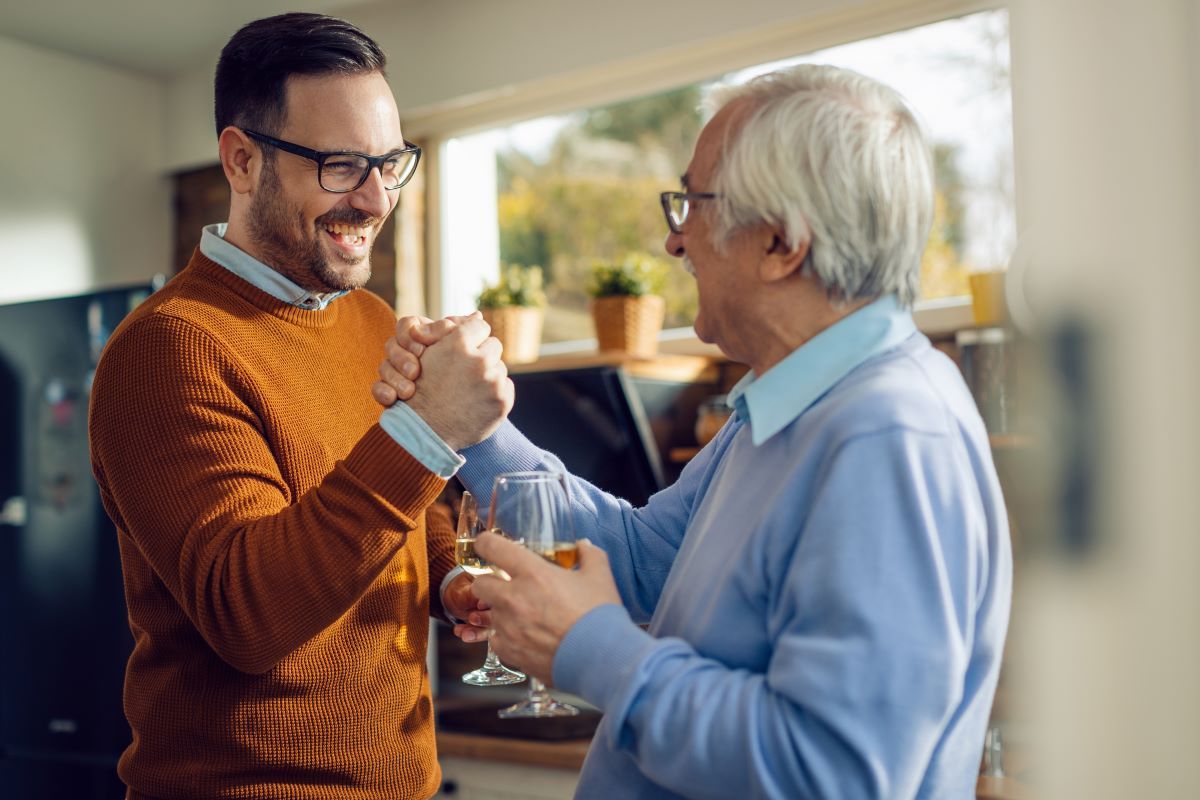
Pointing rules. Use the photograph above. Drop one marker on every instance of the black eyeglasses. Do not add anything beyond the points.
(344, 170)
(677, 205)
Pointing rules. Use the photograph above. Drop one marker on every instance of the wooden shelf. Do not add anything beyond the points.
(682, 455)
(694, 369)
(1010, 441)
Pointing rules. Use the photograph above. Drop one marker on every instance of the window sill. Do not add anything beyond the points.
(937, 319)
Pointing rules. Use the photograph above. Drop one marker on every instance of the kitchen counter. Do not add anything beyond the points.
(566, 754)
(570, 754)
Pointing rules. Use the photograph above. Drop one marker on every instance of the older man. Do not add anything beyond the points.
(828, 582)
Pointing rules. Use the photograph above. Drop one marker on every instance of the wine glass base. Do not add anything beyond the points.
(500, 676)
(543, 708)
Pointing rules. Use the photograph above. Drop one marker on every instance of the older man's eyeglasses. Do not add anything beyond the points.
(677, 205)
(344, 171)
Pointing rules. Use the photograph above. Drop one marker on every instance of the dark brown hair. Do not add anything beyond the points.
(251, 83)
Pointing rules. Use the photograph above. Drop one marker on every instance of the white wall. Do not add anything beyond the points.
(439, 51)
(83, 202)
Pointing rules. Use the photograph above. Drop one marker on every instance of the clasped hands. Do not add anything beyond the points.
(527, 615)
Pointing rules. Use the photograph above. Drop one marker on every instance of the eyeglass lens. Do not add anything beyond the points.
(343, 173)
(679, 209)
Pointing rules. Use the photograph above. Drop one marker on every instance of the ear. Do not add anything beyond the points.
(780, 261)
(241, 160)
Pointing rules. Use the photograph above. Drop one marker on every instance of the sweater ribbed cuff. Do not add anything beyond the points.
(600, 653)
(392, 471)
(506, 450)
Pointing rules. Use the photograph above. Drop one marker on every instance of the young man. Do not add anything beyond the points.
(279, 562)
(828, 583)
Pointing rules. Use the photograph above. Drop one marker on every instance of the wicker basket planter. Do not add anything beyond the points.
(629, 324)
(519, 329)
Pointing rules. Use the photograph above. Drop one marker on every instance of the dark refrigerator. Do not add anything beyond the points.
(64, 635)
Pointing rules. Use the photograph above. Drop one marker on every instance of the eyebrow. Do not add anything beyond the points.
(364, 153)
(683, 180)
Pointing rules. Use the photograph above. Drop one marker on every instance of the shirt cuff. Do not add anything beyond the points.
(414, 435)
(451, 575)
(600, 653)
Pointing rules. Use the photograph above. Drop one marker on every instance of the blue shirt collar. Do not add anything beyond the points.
(256, 273)
(771, 401)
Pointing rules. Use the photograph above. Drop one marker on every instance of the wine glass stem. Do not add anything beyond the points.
(537, 691)
(491, 662)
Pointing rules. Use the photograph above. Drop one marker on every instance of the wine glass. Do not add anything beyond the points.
(492, 673)
(533, 508)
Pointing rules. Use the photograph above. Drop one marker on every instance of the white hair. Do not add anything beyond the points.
(826, 152)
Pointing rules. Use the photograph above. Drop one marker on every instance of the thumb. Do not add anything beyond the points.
(406, 333)
(591, 557)
(433, 332)
(461, 318)
(512, 557)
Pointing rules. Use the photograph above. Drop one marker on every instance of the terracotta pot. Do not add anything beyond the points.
(519, 329)
(629, 324)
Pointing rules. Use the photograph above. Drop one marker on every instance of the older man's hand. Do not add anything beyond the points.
(401, 364)
(532, 612)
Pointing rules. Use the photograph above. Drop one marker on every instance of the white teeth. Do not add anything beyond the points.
(353, 235)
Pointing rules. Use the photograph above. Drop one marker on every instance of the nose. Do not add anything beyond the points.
(674, 244)
(371, 198)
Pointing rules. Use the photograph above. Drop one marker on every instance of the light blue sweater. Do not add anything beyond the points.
(828, 605)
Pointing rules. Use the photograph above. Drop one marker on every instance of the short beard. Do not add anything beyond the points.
(279, 235)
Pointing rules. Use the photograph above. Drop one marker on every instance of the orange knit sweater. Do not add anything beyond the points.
(274, 544)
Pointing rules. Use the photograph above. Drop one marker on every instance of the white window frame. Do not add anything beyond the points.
(661, 71)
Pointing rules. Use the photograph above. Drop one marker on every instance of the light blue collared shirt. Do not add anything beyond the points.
(827, 584)
(401, 422)
(258, 274)
(785, 391)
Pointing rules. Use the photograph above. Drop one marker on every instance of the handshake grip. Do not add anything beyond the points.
(462, 388)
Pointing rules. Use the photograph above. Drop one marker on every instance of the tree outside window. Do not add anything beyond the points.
(579, 188)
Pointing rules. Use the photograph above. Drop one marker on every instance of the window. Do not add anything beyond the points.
(563, 192)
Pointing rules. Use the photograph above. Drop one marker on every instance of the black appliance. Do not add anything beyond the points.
(65, 637)
(608, 425)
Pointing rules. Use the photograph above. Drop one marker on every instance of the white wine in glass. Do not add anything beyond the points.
(534, 507)
(492, 673)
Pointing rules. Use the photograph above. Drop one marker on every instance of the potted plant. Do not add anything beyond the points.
(626, 305)
(513, 306)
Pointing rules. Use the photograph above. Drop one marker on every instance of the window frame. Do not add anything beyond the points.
(668, 69)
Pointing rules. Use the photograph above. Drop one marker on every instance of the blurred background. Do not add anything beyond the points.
(1066, 144)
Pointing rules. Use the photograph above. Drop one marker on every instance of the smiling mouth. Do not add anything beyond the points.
(347, 235)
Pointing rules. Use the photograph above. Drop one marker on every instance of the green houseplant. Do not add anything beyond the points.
(518, 286)
(514, 307)
(627, 308)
